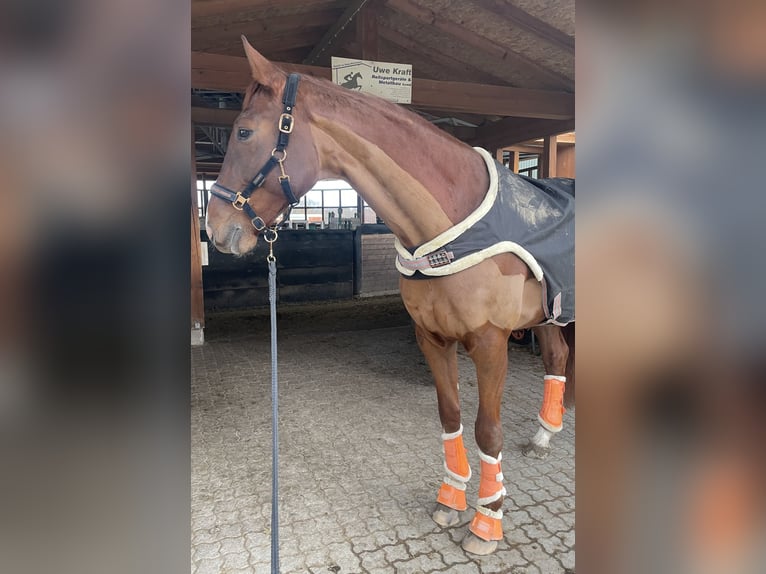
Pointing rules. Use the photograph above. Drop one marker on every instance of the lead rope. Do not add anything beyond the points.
(272, 260)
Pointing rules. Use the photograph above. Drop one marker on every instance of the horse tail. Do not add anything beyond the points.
(569, 389)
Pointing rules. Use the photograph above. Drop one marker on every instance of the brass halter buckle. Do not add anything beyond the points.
(239, 202)
(286, 123)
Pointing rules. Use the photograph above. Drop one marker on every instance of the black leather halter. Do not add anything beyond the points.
(278, 156)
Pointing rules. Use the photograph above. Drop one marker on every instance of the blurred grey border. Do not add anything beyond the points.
(670, 272)
(94, 361)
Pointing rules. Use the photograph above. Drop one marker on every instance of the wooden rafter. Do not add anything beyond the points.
(514, 130)
(529, 22)
(367, 31)
(232, 73)
(493, 49)
(207, 8)
(260, 27)
(267, 45)
(330, 38)
(416, 47)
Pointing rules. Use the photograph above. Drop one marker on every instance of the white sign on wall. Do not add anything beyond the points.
(385, 79)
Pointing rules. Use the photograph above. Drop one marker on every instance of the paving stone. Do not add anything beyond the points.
(208, 566)
(421, 564)
(234, 561)
(361, 457)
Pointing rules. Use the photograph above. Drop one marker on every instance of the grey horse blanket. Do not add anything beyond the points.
(531, 218)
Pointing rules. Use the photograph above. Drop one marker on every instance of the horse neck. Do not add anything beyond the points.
(418, 179)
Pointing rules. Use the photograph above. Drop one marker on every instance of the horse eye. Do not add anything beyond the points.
(243, 134)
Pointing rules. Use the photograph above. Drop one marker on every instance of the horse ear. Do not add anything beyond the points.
(263, 71)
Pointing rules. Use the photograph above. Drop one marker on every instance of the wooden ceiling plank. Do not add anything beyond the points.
(205, 8)
(232, 73)
(529, 22)
(514, 130)
(267, 45)
(495, 50)
(330, 39)
(258, 27)
(367, 31)
(412, 45)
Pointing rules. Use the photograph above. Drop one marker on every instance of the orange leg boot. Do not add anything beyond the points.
(487, 524)
(458, 472)
(552, 412)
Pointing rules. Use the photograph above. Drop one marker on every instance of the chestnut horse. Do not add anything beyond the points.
(421, 182)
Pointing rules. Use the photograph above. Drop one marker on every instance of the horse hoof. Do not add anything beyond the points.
(533, 450)
(475, 545)
(445, 516)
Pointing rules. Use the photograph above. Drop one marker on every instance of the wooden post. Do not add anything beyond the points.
(367, 31)
(513, 164)
(549, 156)
(197, 297)
(565, 166)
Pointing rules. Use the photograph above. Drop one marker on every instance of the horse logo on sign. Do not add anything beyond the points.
(351, 81)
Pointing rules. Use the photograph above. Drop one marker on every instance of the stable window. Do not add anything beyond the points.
(330, 204)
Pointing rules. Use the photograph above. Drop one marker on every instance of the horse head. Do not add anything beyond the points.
(271, 160)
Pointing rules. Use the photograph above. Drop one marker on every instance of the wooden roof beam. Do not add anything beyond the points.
(205, 8)
(202, 8)
(293, 40)
(412, 45)
(331, 37)
(259, 27)
(514, 130)
(530, 23)
(367, 31)
(483, 44)
(232, 73)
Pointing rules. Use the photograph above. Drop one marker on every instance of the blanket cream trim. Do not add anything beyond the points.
(454, 232)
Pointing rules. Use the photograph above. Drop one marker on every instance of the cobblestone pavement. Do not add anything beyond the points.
(361, 458)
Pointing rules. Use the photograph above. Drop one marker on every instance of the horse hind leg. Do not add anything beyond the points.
(441, 356)
(489, 352)
(555, 354)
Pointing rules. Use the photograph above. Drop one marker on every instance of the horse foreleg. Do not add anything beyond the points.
(555, 352)
(441, 356)
(489, 351)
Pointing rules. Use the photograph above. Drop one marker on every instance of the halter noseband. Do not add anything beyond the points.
(278, 156)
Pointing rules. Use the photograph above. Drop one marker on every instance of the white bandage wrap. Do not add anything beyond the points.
(451, 435)
(490, 499)
(489, 460)
(555, 378)
(456, 476)
(491, 513)
(459, 484)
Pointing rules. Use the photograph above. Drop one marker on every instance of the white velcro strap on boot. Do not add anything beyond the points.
(490, 460)
(490, 499)
(554, 378)
(451, 435)
(491, 513)
(547, 426)
(456, 476)
(459, 484)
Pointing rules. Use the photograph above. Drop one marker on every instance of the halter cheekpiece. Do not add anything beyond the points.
(278, 156)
